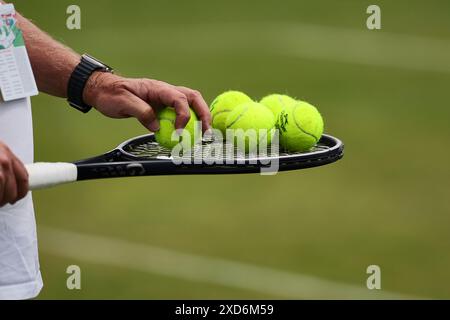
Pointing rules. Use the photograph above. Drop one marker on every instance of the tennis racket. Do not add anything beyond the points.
(143, 156)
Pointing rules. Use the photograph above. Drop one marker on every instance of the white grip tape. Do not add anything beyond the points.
(46, 174)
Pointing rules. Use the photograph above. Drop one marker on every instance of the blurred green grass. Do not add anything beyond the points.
(385, 203)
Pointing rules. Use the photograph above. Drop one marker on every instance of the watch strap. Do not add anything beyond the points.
(78, 80)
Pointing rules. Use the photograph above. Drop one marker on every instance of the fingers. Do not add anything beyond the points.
(2, 187)
(7, 178)
(13, 177)
(142, 111)
(138, 97)
(199, 105)
(21, 175)
(170, 96)
(10, 194)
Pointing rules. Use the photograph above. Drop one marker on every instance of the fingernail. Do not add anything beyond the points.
(206, 126)
(154, 125)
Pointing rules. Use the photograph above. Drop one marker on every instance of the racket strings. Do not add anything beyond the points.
(210, 149)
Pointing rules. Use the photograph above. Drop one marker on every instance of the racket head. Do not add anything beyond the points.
(145, 148)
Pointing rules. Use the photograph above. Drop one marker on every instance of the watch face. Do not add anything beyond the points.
(96, 62)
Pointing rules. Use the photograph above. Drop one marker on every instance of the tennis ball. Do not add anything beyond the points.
(223, 104)
(300, 126)
(277, 103)
(251, 115)
(166, 119)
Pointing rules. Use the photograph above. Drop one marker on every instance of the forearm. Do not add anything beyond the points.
(112, 95)
(51, 61)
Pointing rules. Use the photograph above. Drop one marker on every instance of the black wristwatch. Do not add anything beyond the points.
(79, 78)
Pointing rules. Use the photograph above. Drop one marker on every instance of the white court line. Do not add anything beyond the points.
(379, 48)
(364, 47)
(154, 260)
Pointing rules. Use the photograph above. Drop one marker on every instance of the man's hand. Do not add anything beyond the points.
(112, 95)
(119, 97)
(13, 177)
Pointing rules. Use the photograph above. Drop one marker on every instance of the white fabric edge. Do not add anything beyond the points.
(22, 291)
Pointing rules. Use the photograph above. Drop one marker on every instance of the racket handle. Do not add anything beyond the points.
(45, 174)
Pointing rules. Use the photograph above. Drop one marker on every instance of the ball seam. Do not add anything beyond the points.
(238, 117)
(299, 126)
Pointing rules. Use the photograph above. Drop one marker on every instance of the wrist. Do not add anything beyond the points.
(96, 84)
(77, 95)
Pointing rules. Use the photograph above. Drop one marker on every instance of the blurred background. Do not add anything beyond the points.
(301, 234)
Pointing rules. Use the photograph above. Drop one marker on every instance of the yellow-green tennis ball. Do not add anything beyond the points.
(166, 119)
(300, 126)
(252, 115)
(223, 104)
(277, 103)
